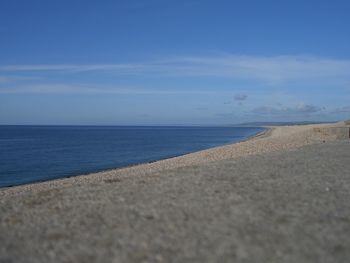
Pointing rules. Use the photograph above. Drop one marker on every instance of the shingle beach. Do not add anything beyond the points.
(282, 196)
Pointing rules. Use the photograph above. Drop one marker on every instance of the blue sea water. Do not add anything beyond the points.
(38, 153)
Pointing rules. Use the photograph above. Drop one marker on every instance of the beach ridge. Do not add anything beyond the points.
(279, 197)
(274, 138)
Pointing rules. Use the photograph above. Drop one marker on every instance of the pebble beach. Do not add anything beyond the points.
(280, 196)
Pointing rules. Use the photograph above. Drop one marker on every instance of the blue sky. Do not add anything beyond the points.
(173, 62)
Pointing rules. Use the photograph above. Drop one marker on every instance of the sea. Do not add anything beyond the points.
(39, 153)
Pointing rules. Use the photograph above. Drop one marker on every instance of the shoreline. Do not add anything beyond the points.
(274, 138)
(180, 155)
(259, 134)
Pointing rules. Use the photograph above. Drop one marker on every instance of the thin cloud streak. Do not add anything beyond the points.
(4, 79)
(88, 89)
(12, 79)
(276, 69)
(301, 109)
(345, 109)
(240, 97)
(70, 67)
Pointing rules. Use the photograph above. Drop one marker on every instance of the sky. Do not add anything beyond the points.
(184, 62)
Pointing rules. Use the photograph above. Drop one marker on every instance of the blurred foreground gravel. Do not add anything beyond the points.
(285, 206)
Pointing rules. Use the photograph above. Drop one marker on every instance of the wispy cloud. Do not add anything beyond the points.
(274, 69)
(101, 89)
(4, 79)
(271, 69)
(240, 97)
(12, 79)
(73, 67)
(301, 109)
(345, 109)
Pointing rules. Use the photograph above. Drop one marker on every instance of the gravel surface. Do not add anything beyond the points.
(281, 206)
